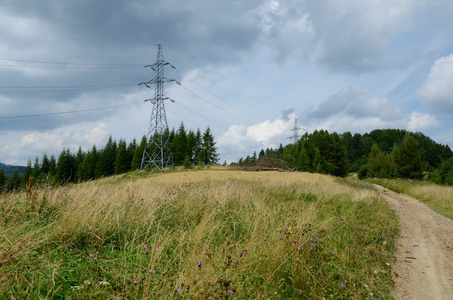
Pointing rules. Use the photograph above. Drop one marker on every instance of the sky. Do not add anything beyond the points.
(70, 70)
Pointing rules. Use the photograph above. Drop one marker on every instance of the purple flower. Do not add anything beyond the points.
(199, 264)
(179, 291)
(333, 252)
(266, 230)
(312, 244)
(231, 293)
(150, 271)
(157, 249)
(135, 281)
(342, 284)
(146, 246)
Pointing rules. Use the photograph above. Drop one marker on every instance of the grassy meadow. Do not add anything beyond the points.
(204, 234)
(439, 198)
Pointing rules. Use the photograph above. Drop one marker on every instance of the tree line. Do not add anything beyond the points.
(386, 153)
(188, 148)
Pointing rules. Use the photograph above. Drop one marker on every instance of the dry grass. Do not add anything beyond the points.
(197, 234)
(440, 198)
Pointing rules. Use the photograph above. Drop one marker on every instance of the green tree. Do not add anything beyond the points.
(14, 182)
(45, 165)
(407, 158)
(138, 154)
(105, 165)
(303, 162)
(52, 166)
(27, 173)
(65, 167)
(122, 163)
(86, 170)
(198, 151)
(179, 145)
(209, 150)
(36, 168)
(380, 164)
(2, 179)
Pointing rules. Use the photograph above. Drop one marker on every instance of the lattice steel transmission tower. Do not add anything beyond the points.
(157, 152)
(296, 129)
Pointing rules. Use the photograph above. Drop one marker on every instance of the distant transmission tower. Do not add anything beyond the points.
(295, 129)
(157, 152)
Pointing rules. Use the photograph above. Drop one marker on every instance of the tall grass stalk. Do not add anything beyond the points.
(201, 234)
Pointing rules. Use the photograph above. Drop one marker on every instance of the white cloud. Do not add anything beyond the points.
(436, 92)
(420, 122)
(382, 108)
(20, 146)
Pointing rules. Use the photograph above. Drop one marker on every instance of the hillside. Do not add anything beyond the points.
(9, 170)
(198, 234)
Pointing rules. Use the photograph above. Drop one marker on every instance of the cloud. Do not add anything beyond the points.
(240, 140)
(382, 108)
(436, 92)
(337, 103)
(421, 122)
(20, 145)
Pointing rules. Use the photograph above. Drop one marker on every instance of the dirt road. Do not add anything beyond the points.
(423, 267)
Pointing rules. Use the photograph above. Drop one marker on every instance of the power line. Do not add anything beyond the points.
(65, 112)
(72, 32)
(37, 89)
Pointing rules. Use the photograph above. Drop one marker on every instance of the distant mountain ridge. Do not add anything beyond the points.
(9, 169)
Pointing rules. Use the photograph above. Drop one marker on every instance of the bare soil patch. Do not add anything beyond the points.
(423, 267)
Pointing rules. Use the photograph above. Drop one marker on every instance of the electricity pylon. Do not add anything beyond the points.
(157, 152)
(296, 129)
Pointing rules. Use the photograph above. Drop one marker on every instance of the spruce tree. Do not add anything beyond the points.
(2, 180)
(36, 169)
(105, 165)
(27, 173)
(209, 150)
(45, 165)
(122, 162)
(65, 167)
(52, 166)
(138, 154)
(197, 152)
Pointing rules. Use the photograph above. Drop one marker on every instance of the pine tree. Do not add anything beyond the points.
(36, 168)
(27, 173)
(105, 165)
(303, 162)
(45, 165)
(2, 179)
(65, 167)
(209, 150)
(197, 152)
(52, 166)
(138, 154)
(122, 162)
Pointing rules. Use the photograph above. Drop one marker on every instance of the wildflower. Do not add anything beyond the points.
(91, 255)
(150, 271)
(333, 252)
(199, 264)
(179, 291)
(135, 281)
(231, 293)
(266, 230)
(156, 249)
(312, 244)
(146, 247)
(275, 293)
(342, 284)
